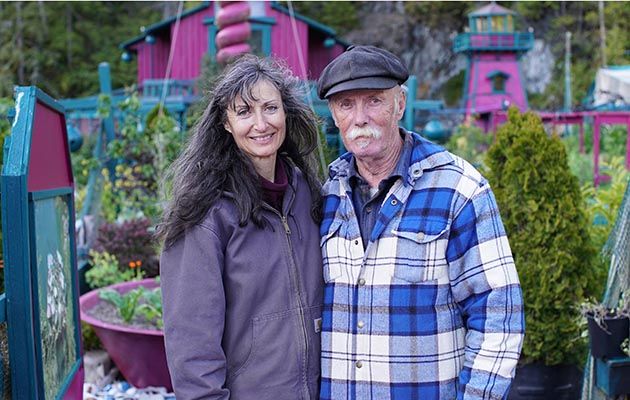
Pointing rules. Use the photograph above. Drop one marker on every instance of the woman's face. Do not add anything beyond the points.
(258, 127)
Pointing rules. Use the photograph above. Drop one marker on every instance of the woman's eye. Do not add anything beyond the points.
(242, 112)
(272, 108)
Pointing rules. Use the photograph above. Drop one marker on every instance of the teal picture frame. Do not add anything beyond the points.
(37, 190)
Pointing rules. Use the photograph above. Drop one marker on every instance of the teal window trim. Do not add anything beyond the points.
(495, 73)
(499, 81)
(261, 24)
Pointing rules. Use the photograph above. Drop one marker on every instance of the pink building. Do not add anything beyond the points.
(272, 34)
(493, 74)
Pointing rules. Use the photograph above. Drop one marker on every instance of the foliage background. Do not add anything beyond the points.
(58, 45)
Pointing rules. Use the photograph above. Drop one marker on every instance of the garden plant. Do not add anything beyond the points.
(544, 215)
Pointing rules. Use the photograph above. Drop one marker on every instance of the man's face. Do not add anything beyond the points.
(368, 119)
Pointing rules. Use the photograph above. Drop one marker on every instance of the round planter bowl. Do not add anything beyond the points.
(138, 353)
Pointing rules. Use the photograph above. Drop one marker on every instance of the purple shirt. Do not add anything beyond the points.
(273, 192)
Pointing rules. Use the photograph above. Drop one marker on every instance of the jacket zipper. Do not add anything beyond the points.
(296, 282)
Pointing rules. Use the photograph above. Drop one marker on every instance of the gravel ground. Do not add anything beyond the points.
(123, 391)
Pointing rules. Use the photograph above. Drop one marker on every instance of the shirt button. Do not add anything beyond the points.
(394, 202)
(368, 209)
(360, 324)
(361, 281)
(359, 364)
(356, 242)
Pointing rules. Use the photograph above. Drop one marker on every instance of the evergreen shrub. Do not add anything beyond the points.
(542, 208)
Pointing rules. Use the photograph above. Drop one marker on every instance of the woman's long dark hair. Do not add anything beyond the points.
(212, 164)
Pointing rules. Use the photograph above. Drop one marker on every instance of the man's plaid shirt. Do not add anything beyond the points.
(432, 308)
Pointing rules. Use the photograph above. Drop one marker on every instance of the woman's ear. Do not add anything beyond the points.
(227, 127)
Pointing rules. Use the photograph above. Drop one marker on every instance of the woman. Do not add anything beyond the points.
(241, 266)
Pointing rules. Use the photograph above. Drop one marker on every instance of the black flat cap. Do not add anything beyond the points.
(361, 67)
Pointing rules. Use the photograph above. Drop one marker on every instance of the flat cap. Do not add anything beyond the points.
(361, 67)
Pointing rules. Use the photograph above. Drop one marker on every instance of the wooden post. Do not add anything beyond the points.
(105, 81)
(582, 136)
(602, 32)
(596, 126)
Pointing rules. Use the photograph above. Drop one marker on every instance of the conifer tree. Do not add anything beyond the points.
(542, 208)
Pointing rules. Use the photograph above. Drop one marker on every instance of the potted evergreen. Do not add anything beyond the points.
(542, 208)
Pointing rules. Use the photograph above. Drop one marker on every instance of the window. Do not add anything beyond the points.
(498, 84)
(259, 41)
(499, 79)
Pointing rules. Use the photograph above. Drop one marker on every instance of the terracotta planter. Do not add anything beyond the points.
(138, 353)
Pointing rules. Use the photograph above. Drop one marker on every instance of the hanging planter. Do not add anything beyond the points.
(607, 327)
(138, 353)
(607, 335)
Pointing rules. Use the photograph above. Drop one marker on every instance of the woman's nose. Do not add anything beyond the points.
(260, 123)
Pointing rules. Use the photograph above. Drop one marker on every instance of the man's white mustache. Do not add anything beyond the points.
(365, 131)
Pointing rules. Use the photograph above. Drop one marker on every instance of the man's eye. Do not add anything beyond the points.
(345, 105)
(375, 101)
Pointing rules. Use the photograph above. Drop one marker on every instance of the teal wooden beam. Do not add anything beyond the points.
(105, 81)
(412, 88)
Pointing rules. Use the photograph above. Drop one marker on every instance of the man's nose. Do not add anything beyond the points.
(360, 116)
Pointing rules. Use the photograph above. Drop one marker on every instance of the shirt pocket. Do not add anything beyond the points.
(333, 252)
(420, 256)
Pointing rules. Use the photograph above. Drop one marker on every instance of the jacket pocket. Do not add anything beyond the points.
(274, 358)
(333, 250)
(420, 257)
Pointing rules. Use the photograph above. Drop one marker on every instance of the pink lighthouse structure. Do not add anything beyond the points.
(493, 75)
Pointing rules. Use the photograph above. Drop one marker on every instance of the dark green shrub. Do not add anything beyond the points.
(543, 212)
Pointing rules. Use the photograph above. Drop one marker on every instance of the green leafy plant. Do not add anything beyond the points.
(106, 270)
(151, 309)
(126, 304)
(543, 212)
(140, 302)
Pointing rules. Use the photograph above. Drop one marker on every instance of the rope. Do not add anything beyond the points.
(169, 64)
(296, 40)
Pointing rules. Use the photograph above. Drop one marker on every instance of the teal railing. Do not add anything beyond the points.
(493, 41)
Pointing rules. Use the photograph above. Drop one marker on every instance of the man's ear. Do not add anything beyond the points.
(402, 103)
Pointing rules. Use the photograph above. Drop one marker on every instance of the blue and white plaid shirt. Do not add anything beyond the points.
(431, 308)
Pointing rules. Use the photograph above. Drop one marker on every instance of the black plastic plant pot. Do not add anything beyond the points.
(608, 344)
(544, 382)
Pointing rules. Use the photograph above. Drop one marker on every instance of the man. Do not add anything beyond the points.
(422, 299)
